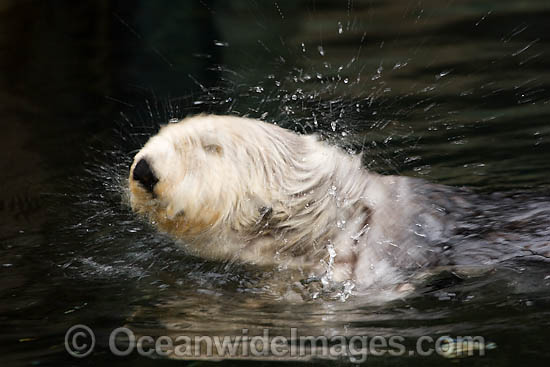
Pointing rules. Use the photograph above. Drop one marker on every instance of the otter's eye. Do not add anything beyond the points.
(213, 148)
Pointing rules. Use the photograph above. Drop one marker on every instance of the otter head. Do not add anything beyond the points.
(236, 187)
(204, 173)
(176, 179)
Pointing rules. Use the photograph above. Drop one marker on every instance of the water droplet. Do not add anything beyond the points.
(333, 125)
(378, 73)
(349, 285)
(397, 65)
(346, 81)
(331, 251)
(303, 47)
(321, 50)
(412, 159)
(442, 74)
(258, 89)
(340, 28)
(173, 120)
(221, 44)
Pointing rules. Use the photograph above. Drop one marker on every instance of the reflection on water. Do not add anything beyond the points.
(456, 93)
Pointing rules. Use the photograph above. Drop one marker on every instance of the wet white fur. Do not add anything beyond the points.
(260, 194)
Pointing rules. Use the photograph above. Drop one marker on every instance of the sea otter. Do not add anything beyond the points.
(237, 189)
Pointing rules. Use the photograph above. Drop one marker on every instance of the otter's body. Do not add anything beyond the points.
(237, 189)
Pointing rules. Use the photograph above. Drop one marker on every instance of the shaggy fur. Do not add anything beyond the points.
(237, 189)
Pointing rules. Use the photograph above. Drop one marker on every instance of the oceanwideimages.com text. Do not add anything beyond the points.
(80, 342)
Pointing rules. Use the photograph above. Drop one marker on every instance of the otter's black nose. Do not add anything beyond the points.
(144, 175)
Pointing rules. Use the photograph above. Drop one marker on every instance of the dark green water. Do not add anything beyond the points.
(455, 92)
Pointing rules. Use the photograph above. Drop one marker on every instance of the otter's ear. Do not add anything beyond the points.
(210, 144)
(213, 148)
